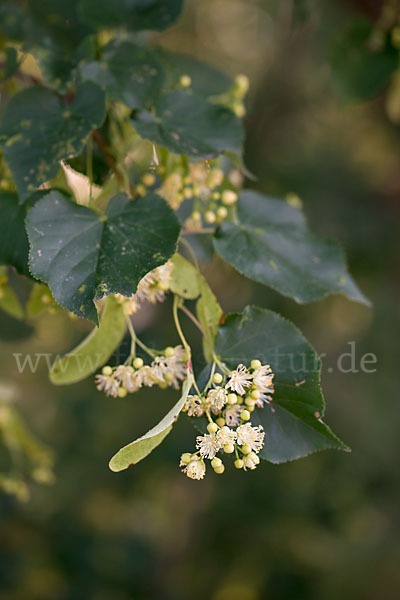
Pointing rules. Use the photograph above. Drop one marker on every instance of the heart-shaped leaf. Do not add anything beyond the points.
(187, 124)
(38, 130)
(14, 244)
(84, 256)
(140, 448)
(293, 420)
(271, 244)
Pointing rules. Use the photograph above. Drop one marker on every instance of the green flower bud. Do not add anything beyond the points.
(186, 458)
(148, 179)
(246, 449)
(255, 394)
(169, 351)
(220, 421)
(245, 415)
(239, 463)
(232, 399)
(121, 392)
(212, 427)
(217, 378)
(107, 371)
(216, 462)
(229, 197)
(185, 81)
(249, 401)
(138, 362)
(220, 469)
(210, 217)
(229, 448)
(255, 364)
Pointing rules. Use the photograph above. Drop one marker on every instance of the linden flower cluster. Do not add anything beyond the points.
(151, 288)
(231, 400)
(165, 370)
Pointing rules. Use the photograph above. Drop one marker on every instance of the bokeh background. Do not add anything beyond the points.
(320, 528)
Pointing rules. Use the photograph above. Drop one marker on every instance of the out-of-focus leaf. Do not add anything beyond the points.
(133, 14)
(185, 279)
(128, 73)
(14, 244)
(38, 130)
(185, 123)
(209, 314)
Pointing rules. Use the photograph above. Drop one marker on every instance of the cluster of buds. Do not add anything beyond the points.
(166, 370)
(152, 288)
(228, 406)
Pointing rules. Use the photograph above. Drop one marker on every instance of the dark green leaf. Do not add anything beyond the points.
(95, 350)
(206, 80)
(128, 73)
(140, 448)
(38, 130)
(84, 256)
(187, 124)
(14, 244)
(133, 14)
(272, 245)
(10, 64)
(361, 69)
(293, 420)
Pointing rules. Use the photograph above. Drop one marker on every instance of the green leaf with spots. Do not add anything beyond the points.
(293, 420)
(187, 124)
(185, 279)
(128, 73)
(14, 246)
(271, 244)
(84, 256)
(133, 14)
(38, 130)
(140, 448)
(206, 80)
(95, 350)
(209, 314)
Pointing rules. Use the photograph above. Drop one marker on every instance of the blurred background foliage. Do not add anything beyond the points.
(318, 125)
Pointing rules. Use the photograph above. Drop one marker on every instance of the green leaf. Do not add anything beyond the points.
(272, 245)
(209, 314)
(40, 299)
(140, 448)
(293, 420)
(187, 124)
(133, 14)
(14, 244)
(84, 256)
(10, 65)
(95, 350)
(10, 303)
(206, 80)
(361, 70)
(185, 280)
(38, 130)
(128, 73)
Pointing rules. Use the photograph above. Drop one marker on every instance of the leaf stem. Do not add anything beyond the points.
(178, 325)
(136, 340)
(192, 317)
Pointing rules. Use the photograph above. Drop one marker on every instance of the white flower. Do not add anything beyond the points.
(208, 445)
(108, 384)
(232, 414)
(151, 288)
(252, 436)
(146, 376)
(126, 376)
(196, 469)
(262, 379)
(217, 399)
(226, 436)
(239, 380)
(194, 406)
(171, 369)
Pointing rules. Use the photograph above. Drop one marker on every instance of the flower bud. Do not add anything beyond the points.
(255, 364)
(239, 463)
(245, 415)
(220, 421)
(212, 427)
(107, 371)
(229, 448)
(185, 81)
(216, 462)
(246, 449)
(186, 458)
(210, 217)
(232, 399)
(219, 470)
(169, 351)
(138, 362)
(217, 378)
(121, 392)
(229, 197)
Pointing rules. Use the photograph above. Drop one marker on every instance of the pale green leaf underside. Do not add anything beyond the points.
(94, 350)
(272, 245)
(293, 421)
(140, 448)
